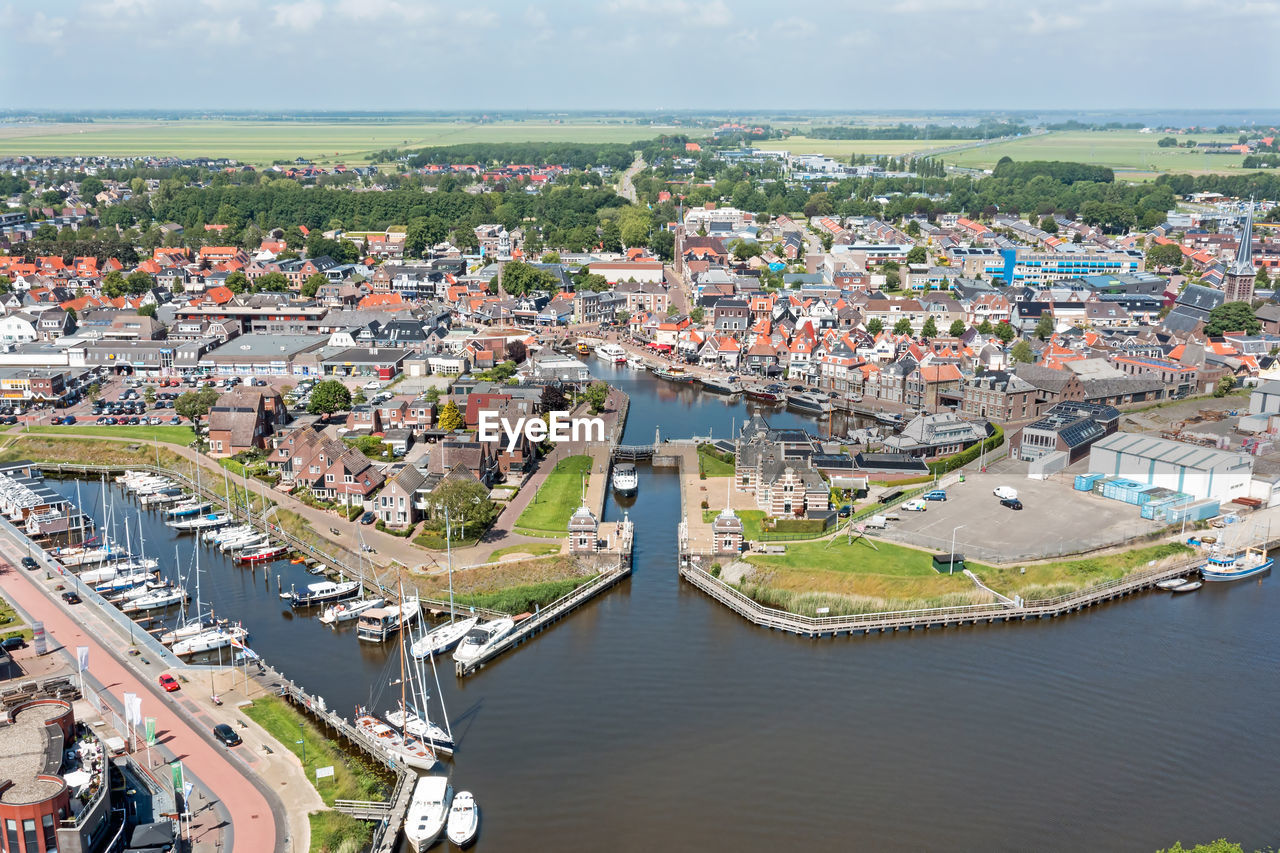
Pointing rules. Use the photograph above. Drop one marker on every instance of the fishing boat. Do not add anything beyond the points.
(764, 393)
(377, 624)
(612, 353)
(1248, 563)
(428, 812)
(263, 555)
(348, 610)
(324, 592)
(721, 386)
(625, 479)
(481, 639)
(464, 819)
(805, 401)
(674, 374)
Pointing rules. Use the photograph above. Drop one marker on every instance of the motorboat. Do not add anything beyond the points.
(1169, 584)
(325, 592)
(674, 374)
(1233, 567)
(377, 624)
(805, 401)
(263, 555)
(405, 749)
(764, 393)
(716, 385)
(611, 353)
(346, 611)
(481, 639)
(625, 479)
(464, 819)
(440, 639)
(428, 812)
(635, 362)
(1189, 585)
(418, 726)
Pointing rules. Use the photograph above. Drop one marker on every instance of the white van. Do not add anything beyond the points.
(915, 506)
(1005, 493)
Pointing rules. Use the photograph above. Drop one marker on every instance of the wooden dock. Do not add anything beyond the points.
(909, 620)
(549, 615)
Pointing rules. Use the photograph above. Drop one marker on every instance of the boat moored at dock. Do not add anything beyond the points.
(347, 611)
(428, 812)
(324, 592)
(442, 638)
(377, 624)
(626, 481)
(481, 639)
(612, 353)
(1249, 563)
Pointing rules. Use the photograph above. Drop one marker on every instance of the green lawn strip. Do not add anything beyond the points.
(541, 534)
(523, 599)
(712, 466)
(558, 497)
(182, 435)
(11, 624)
(752, 521)
(436, 541)
(354, 776)
(533, 549)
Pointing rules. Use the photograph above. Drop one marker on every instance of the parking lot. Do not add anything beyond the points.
(1055, 518)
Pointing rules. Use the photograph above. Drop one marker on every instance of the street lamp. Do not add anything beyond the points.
(303, 742)
(951, 565)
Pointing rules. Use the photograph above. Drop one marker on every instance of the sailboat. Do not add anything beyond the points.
(444, 637)
(348, 610)
(413, 718)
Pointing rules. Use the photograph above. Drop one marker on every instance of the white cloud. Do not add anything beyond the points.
(1040, 23)
(300, 16)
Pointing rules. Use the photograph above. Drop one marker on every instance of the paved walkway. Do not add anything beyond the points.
(231, 811)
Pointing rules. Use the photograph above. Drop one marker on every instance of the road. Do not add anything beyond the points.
(242, 817)
(626, 189)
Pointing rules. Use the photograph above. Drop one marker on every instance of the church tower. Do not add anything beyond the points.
(1238, 280)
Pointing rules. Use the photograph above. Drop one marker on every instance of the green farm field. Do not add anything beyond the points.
(1133, 155)
(843, 148)
(263, 142)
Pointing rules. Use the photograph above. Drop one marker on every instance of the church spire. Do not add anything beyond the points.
(1244, 253)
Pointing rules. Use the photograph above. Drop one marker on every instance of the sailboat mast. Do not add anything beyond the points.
(404, 708)
(448, 549)
(444, 712)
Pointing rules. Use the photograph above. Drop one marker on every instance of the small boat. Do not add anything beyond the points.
(674, 374)
(186, 508)
(440, 639)
(428, 812)
(481, 639)
(804, 401)
(185, 632)
(764, 393)
(464, 819)
(625, 479)
(324, 592)
(1233, 567)
(162, 497)
(1170, 584)
(1189, 585)
(721, 386)
(584, 348)
(611, 353)
(635, 362)
(377, 624)
(263, 555)
(346, 611)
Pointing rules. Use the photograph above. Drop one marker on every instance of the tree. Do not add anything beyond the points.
(1232, 317)
(902, 327)
(1044, 328)
(663, 244)
(422, 233)
(1164, 255)
(1222, 845)
(433, 394)
(957, 328)
(592, 281)
(743, 249)
(312, 285)
(551, 257)
(1021, 352)
(1048, 224)
(148, 310)
(875, 326)
(913, 228)
(237, 282)
(517, 351)
(467, 503)
(985, 327)
(1262, 281)
(1224, 386)
(328, 397)
(930, 329)
(272, 282)
(553, 398)
(917, 255)
(595, 395)
(6, 284)
(1167, 142)
(697, 315)
(892, 280)
(1005, 332)
(194, 405)
(450, 418)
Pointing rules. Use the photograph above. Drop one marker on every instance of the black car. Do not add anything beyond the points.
(30, 563)
(11, 643)
(368, 518)
(70, 598)
(1011, 503)
(226, 734)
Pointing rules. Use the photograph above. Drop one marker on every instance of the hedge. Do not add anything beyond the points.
(964, 457)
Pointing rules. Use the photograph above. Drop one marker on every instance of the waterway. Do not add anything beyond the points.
(653, 719)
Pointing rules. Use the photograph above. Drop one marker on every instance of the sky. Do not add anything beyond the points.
(638, 54)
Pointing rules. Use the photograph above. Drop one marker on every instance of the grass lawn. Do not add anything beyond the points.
(324, 142)
(9, 621)
(557, 498)
(533, 549)
(1131, 154)
(354, 777)
(435, 540)
(509, 587)
(713, 467)
(182, 435)
(1058, 578)
(752, 519)
(843, 148)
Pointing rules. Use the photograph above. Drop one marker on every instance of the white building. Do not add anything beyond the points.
(1202, 472)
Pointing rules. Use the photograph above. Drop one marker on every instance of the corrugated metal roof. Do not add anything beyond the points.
(1173, 452)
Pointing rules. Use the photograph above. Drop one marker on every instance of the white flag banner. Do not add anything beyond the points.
(135, 709)
(82, 657)
(128, 705)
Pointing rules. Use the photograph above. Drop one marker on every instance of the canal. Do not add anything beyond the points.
(654, 719)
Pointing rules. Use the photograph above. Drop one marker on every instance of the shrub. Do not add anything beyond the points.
(969, 454)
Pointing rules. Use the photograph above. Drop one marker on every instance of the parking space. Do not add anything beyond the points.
(1055, 518)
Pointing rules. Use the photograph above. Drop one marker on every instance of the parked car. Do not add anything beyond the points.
(70, 597)
(10, 644)
(1011, 503)
(170, 684)
(368, 518)
(69, 420)
(30, 563)
(915, 506)
(935, 495)
(1005, 492)
(226, 734)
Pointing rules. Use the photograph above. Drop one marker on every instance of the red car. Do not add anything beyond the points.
(169, 683)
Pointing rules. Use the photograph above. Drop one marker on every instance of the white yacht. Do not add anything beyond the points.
(612, 353)
(156, 600)
(420, 727)
(440, 639)
(625, 479)
(635, 362)
(464, 819)
(348, 610)
(210, 640)
(481, 639)
(428, 811)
